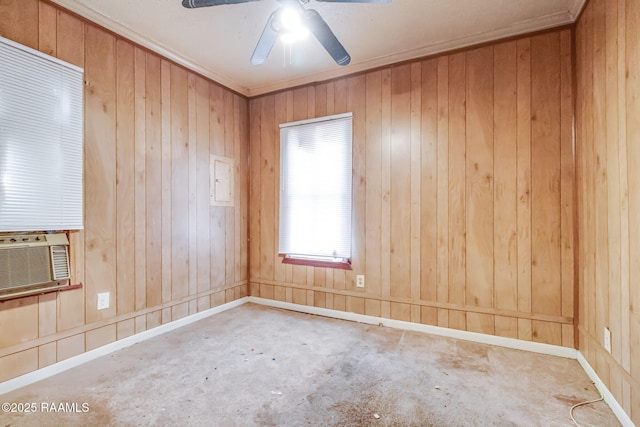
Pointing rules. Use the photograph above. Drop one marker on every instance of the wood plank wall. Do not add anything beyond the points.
(150, 237)
(608, 177)
(463, 193)
(463, 206)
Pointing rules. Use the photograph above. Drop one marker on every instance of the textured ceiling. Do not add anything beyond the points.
(218, 41)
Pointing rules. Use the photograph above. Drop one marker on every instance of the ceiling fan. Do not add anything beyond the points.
(291, 21)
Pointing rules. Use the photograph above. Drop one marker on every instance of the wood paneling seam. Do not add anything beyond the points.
(106, 322)
(434, 304)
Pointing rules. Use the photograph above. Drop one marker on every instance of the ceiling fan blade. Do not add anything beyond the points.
(265, 43)
(192, 4)
(325, 36)
(354, 1)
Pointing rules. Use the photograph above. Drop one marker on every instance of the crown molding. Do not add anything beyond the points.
(159, 48)
(576, 8)
(519, 28)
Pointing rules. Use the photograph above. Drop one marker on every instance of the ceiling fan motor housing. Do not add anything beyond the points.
(310, 19)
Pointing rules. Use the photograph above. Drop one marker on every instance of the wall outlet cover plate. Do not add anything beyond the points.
(607, 339)
(103, 300)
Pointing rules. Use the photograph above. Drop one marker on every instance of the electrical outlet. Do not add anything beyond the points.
(607, 339)
(103, 300)
(360, 281)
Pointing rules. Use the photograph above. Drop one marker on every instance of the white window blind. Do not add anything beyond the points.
(41, 137)
(315, 187)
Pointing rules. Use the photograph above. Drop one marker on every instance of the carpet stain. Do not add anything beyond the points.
(463, 362)
(571, 400)
(362, 411)
(466, 357)
(389, 408)
(260, 373)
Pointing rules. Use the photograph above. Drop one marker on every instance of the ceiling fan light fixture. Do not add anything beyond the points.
(293, 36)
(290, 26)
(290, 23)
(289, 19)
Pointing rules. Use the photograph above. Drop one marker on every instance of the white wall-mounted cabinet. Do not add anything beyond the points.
(222, 181)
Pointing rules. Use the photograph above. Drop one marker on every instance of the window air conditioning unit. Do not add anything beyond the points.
(33, 264)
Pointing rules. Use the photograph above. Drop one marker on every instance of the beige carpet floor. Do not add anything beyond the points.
(259, 366)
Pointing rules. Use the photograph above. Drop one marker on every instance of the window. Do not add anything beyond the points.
(315, 191)
(41, 138)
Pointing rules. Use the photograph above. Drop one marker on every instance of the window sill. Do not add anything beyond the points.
(38, 291)
(309, 262)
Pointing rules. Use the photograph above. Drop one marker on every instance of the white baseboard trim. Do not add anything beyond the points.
(624, 419)
(553, 350)
(56, 368)
(534, 347)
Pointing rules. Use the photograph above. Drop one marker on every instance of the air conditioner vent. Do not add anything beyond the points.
(60, 262)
